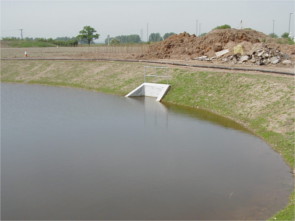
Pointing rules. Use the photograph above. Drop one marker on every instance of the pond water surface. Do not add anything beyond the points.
(69, 154)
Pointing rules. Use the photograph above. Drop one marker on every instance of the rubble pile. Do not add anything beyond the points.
(228, 46)
(261, 56)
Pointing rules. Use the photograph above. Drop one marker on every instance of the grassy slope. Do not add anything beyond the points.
(263, 103)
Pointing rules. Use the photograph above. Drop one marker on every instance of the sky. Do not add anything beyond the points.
(59, 18)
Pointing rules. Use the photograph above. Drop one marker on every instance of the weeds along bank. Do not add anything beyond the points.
(262, 102)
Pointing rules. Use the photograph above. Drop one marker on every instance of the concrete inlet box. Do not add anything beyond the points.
(150, 90)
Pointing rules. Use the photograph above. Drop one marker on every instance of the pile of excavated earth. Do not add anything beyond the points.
(230, 46)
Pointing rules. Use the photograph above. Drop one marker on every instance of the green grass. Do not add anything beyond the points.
(288, 212)
(262, 103)
(288, 41)
(28, 44)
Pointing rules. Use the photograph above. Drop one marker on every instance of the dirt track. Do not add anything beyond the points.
(223, 68)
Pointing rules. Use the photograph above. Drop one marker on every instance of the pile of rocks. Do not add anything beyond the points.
(261, 56)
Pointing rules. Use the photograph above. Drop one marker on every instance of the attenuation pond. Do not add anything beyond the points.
(70, 154)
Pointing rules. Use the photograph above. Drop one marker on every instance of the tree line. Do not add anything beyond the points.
(87, 36)
(129, 39)
(60, 41)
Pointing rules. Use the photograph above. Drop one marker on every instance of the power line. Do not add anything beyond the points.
(289, 31)
(141, 34)
(196, 27)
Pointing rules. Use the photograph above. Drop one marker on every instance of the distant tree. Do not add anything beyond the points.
(167, 35)
(125, 39)
(114, 41)
(154, 37)
(64, 38)
(285, 35)
(87, 34)
(10, 38)
(287, 39)
(29, 39)
(135, 38)
(41, 39)
(273, 35)
(222, 27)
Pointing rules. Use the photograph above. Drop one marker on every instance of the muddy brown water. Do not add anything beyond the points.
(69, 154)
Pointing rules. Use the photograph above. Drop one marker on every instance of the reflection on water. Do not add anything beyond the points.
(208, 116)
(69, 154)
(153, 113)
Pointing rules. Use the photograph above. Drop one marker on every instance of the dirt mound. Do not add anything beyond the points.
(186, 46)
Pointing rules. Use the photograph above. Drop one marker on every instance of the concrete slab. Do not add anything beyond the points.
(150, 90)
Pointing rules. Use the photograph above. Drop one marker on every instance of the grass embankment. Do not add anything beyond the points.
(26, 44)
(263, 103)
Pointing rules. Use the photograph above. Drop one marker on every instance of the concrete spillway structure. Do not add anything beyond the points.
(150, 90)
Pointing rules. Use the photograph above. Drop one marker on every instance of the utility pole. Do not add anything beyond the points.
(21, 33)
(196, 27)
(147, 32)
(273, 27)
(290, 24)
(141, 35)
(200, 25)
